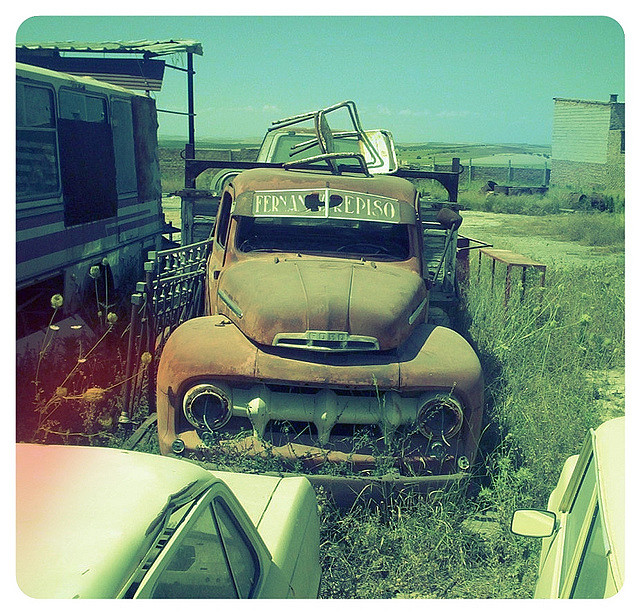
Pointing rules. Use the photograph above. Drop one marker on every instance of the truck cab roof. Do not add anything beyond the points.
(305, 183)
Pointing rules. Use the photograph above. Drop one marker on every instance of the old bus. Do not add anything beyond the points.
(87, 188)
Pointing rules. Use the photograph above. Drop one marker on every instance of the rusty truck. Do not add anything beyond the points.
(314, 344)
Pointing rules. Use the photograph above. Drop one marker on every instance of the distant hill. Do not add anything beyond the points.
(481, 154)
(420, 154)
(173, 142)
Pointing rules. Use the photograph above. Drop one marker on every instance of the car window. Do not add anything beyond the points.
(222, 224)
(198, 567)
(242, 557)
(591, 579)
(576, 517)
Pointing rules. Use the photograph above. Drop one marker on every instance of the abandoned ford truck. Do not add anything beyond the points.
(316, 347)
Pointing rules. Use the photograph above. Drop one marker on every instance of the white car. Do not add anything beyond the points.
(107, 523)
(582, 553)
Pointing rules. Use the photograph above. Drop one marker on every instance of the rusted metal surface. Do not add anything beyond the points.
(512, 261)
(293, 296)
(215, 347)
(314, 348)
(318, 300)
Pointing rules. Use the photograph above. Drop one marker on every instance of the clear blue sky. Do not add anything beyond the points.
(452, 79)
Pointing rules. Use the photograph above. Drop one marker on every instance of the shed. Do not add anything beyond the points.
(588, 144)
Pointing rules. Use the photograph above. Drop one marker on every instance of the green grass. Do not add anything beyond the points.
(546, 359)
(421, 548)
(537, 356)
(595, 229)
(555, 200)
(539, 353)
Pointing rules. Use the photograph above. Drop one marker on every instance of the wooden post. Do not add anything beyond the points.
(186, 217)
(453, 191)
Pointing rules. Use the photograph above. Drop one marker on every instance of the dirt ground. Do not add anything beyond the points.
(504, 231)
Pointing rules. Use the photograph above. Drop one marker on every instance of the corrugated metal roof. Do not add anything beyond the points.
(151, 47)
(580, 101)
(130, 73)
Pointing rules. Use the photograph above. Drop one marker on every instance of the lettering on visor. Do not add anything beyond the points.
(326, 203)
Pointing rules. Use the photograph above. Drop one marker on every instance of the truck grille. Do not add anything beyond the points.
(326, 341)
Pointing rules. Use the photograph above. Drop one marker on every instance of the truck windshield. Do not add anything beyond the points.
(375, 240)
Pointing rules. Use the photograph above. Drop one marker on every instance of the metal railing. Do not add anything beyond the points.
(172, 293)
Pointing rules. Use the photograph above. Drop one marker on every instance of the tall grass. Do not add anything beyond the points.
(422, 548)
(555, 200)
(594, 229)
(542, 356)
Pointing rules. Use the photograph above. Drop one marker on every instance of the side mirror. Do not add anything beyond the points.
(533, 523)
(449, 218)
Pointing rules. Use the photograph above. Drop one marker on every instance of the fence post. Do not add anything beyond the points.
(186, 220)
(127, 410)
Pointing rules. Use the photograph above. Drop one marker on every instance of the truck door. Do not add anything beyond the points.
(218, 250)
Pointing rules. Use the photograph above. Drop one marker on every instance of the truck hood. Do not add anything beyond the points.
(320, 304)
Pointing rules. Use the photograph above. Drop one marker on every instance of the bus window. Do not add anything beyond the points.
(125, 155)
(36, 152)
(87, 159)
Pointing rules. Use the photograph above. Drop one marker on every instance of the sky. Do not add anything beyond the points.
(425, 78)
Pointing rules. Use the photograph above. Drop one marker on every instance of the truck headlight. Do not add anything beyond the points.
(440, 416)
(207, 407)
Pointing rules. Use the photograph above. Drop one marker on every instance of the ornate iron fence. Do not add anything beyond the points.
(172, 293)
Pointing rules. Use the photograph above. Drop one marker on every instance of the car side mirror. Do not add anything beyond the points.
(533, 523)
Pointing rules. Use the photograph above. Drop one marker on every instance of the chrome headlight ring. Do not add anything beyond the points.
(440, 416)
(207, 407)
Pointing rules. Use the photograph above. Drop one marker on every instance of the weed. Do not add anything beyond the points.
(76, 391)
(538, 354)
(422, 547)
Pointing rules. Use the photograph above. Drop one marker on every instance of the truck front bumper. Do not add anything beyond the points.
(343, 477)
(435, 359)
